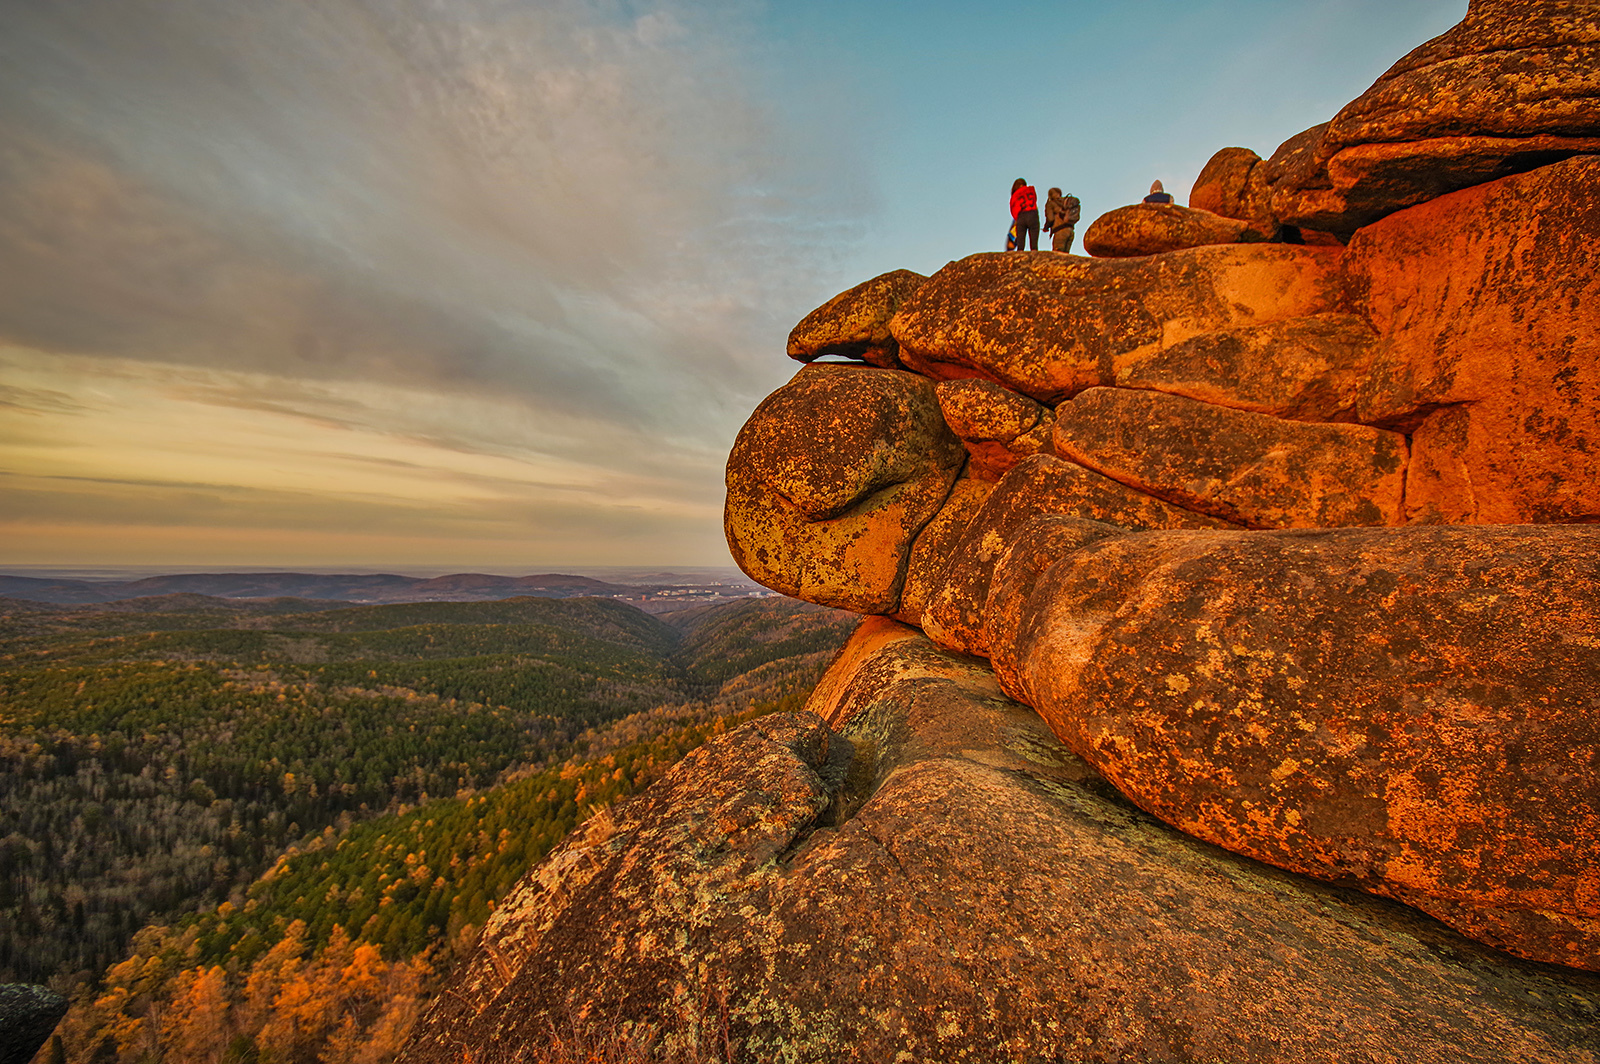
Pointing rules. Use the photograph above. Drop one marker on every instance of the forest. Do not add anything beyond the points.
(219, 817)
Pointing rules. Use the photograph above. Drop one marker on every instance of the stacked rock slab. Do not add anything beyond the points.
(1514, 87)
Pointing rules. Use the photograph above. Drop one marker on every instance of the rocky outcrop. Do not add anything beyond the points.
(997, 426)
(855, 324)
(934, 877)
(1488, 305)
(1307, 369)
(1151, 228)
(1362, 705)
(1225, 187)
(1306, 574)
(954, 609)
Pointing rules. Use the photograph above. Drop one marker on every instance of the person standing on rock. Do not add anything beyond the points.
(1158, 194)
(1025, 212)
(1061, 213)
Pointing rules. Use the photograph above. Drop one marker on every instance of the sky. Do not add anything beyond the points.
(442, 285)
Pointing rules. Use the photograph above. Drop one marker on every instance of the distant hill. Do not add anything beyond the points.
(360, 587)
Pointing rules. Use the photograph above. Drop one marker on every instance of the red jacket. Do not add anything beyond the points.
(1024, 199)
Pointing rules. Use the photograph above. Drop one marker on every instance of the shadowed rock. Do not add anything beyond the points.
(1251, 469)
(1407, 710)
(832, 478)
(937, 543)
(855, 324)
(946, 882)
(1151, 228)
(28, 1014)
(1050, 325)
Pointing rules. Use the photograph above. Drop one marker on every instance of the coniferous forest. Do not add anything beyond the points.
(262, 830)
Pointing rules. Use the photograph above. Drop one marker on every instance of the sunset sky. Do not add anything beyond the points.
(489, 284)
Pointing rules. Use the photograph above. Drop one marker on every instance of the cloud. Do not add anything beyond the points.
(569, 202)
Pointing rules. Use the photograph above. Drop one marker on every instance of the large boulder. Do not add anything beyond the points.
(832, 478)
(1307, 369)
(1251, 469)
(1514, 86)
(1151, 228)
(1225, 187)
(855, 324)
(1488, 303)
(953, 611)
(997, 426)
(1049, 325)
(1410, 711)
(939, 879)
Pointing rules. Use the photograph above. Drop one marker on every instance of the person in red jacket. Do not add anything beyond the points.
(1025, 212)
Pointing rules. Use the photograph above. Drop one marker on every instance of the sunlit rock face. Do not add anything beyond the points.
(1514, 87)
(1049, 326)
(1406, 710)
(831, 480)
(1488, 303)
(855, 324)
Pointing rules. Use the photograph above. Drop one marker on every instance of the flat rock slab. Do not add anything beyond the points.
(965, 890)
(954, 612)
(1305, 369)
(832, 478)
(855, 324)
(1252, 469)
(1410, 710)
(1152, 228)
(1049, 325)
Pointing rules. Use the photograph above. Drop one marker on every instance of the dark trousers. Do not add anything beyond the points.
(1028, 226)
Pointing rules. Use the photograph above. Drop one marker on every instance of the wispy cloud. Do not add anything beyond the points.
(552, 226)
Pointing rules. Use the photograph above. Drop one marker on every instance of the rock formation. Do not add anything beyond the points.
(1278, 553)
(939, 879)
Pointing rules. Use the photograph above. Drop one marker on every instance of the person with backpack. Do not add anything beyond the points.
(1061, 214)
(1158, 194)
(1025, 212)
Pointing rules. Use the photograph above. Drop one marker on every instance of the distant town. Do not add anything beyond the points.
(654, 591)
